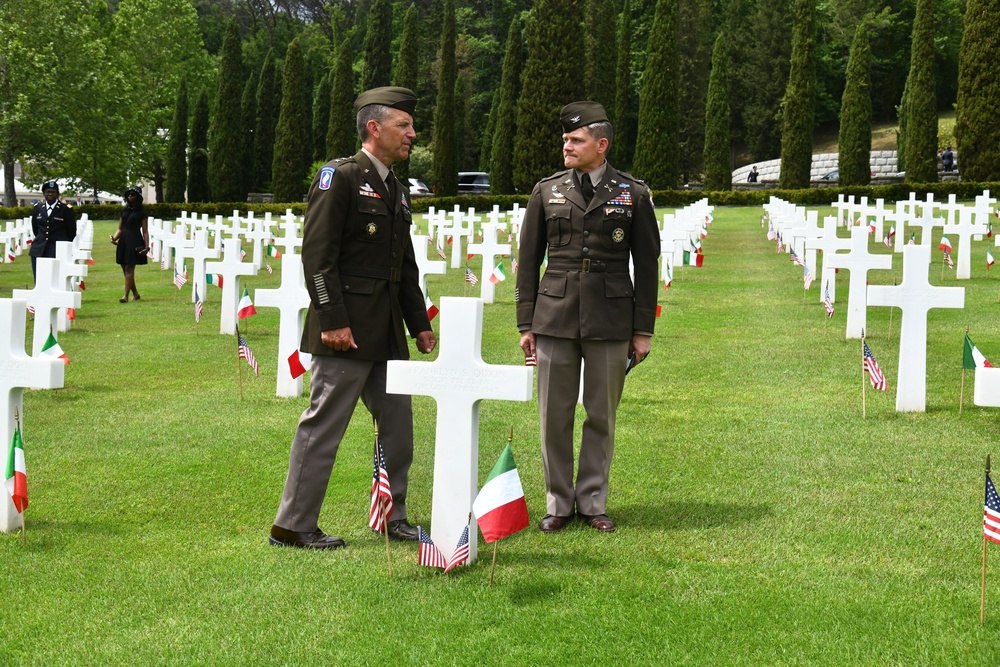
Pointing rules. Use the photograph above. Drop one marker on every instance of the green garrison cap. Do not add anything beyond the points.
(581, 114)
(390, 96)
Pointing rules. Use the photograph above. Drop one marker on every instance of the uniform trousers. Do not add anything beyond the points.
(558, 389)
(336, 385)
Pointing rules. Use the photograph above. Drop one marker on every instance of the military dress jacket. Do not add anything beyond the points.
(586, 291)
(48, 229)
(359, 264)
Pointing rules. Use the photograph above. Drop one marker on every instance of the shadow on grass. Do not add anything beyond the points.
(685, 515)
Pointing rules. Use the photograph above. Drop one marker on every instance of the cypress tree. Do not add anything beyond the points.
(291, 136)
(177, 147)
(321, 118)
(901, 132)
(855, 142)
(976, 129)
(553, 77)
(197, 184)
(718, 170)
(225, 168)
(249, 117)
(800, 99)
(658, 142)
(407, 69)
(377, 46)
(694, 60)
(263, 130)
(621, 114)
(342, 135)
(601, 51)
(921, 104)
(505, 124)
(486, 140)
(446, 112)
(761, 74)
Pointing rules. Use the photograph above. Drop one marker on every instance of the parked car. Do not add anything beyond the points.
(473, 182)
(418, 187)
(832, 176)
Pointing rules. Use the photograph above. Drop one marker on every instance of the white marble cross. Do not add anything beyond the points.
(829, 243)
(257, 234)
(17, 372)
(200, 252)
(458, 380)
(926, 221)
(963, 232)
(230, 268)
(48, 296)
(897, 218)
(859, 262)
(489, 249)
(809, 229)
(69, 276)
(456, 229)
(292, 300)
(914, 296)
(425, 265)
(291, 239)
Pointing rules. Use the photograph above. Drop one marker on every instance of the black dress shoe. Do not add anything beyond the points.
(553, 524)
(601, 522)
(314, 540)
(401, 530)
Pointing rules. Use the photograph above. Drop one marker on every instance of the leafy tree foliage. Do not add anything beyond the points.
(321, 118)
(920, 109)
(553, 77)
(292, 148)
(445, 148)
(976, 128)
(718, 167)
(177, 147)
(855, 141)
(248, 118)
(800, 95)
(601, 51)
(197, 185)
(657, 142)
(407, 69)
(225, 154)
(505, 125)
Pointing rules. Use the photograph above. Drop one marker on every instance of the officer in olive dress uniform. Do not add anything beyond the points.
(51, 221)
(361, 273)
(590, 220)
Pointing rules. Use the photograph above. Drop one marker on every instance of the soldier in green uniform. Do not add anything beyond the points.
(361, 273)
(591, 220)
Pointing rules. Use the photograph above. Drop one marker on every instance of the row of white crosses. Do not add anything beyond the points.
(679, 231)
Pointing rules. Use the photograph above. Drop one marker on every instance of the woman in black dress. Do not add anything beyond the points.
(132, 239)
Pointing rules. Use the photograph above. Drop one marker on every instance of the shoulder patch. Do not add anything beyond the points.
(326, 177)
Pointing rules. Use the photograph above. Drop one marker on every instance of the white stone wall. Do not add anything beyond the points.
(883, 164)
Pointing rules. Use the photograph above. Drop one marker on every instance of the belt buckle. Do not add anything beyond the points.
(586, 266)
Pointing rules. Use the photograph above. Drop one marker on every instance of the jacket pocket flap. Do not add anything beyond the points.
(357, 285)
(618, 285)
(553, 285)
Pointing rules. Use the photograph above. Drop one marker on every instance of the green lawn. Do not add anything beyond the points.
(761, 520)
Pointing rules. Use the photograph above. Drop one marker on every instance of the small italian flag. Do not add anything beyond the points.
(295, 367)
(245, 309)
(432, 310)
(693, 258)
(498, 276)
(213, 279)
(973, 358)
(945, 244)
(51, 349)
(500, 507)
(989, 259)
(273, 252)
(16, 474)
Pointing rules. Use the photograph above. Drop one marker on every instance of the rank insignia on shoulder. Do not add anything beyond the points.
(326, 177)
(371, 228)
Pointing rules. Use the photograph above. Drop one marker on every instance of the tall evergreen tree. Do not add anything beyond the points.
(855, 142)
(464, 145)
(225, 168)
(377, 46)
(658, 142)
(760, 74)
(623, 111)
(407, 69)
(718, 163)
(800, 100)
(901, 132)
(505, 126)
(445, 114)
(553, 77)
(197, 184)
(321, 118)
(601, 51)
(249, 118)
(694, 58)
(921, 101)
(976, 128)
(177, 147)
(291, 136)
(342, 136)
(486, 140)
(263, 129)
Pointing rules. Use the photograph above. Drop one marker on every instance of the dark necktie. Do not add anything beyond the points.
(390, 186)
(586, 188)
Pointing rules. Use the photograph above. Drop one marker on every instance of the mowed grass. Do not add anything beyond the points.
(761, 520)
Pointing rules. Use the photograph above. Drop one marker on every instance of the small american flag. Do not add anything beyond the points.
(913, 238)
(887, 240)
(947, 258)
(461, 554)
(198, 305)
(991, 519)
(874, 372)
(245, 353)
(827, 303)
(807, 276)
(381, 505)
(795, 257)
(430, 555)
(530, 360)
(267, 265)
(180, 279)
(470, 277)
(513, 264)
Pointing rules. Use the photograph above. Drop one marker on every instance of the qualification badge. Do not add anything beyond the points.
(371, 228)
(618, 235)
